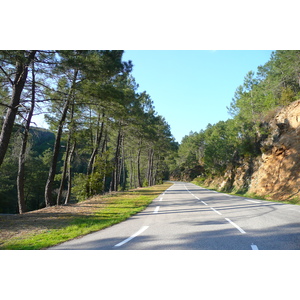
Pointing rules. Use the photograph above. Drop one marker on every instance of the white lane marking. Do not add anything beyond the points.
(133, 236)
(254, 247)
(203, 202)
(156, 210)
(216, 211)
(160, 199)
(236, 226)
(253, 201)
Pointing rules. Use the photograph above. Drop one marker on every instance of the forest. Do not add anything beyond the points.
(208, 153)
(106, 136)
(103, 135)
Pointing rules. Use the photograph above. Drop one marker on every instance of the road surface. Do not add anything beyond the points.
(188, 217)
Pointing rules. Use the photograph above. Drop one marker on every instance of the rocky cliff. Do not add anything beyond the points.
(276, 173)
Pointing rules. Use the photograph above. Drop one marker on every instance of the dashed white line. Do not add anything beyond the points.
(236, 226)
(216, 211)
(254, 247)
(133, 236)
(253, 201)
(156, 210)
(160, 199)
(204, 203)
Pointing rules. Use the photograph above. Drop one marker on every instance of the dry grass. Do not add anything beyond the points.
(95, 210)
(47, 218)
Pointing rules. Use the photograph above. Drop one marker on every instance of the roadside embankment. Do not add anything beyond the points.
(53, 225)
(275, 174)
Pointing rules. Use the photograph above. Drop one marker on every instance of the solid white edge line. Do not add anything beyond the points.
(236, 226)
(254, 247)
(131, 237)
(156, 210)
(252, 201)
(216, 211)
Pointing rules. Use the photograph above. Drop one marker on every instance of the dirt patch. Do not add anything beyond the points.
(48, 218)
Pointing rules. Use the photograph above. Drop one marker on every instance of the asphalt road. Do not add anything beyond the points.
(188, 217)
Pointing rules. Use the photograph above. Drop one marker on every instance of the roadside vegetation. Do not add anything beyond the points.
(103, 134)
(200, 182)
(54, 225)
(106, 137)
(210, 152)
(217, 151)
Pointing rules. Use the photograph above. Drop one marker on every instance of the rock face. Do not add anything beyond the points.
(276, 173)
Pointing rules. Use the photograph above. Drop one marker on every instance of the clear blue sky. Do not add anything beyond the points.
(192, 88)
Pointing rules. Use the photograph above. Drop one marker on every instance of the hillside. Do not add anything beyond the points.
(42, 139)
(275, 173)
(37, 167)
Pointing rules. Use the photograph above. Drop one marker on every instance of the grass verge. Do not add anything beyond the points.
(294, 200)
(118, 208)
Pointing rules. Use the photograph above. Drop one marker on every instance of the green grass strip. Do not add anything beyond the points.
(120, 207)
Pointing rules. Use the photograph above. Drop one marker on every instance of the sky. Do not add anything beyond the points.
(192, 88)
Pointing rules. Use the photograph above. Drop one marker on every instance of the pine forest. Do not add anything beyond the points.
(106, 136)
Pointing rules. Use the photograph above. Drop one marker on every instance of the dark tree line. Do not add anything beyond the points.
(105, 135)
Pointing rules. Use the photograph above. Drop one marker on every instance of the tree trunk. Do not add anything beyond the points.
(138, 164)
(63, 176)
(155, 171)
(115, 173)
(68, 154)
(68, 196)
(104, 148)
(131, 171)
(21, 170)
(50, 180)
(96, 148)
(150, 167)
(123, 165)
(17, 88)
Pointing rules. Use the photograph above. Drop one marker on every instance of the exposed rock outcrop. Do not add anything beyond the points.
(276, 173)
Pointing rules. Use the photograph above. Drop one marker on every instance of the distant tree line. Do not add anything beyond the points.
(104, 135)
(209, 152)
